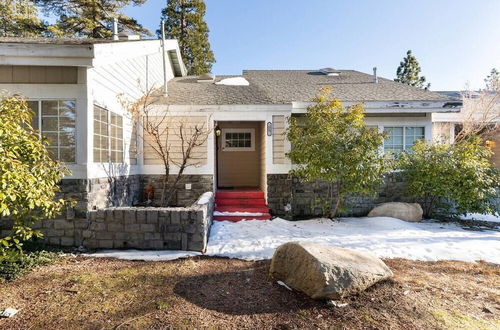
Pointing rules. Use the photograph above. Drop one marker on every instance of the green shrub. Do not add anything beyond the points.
(334, 145)
(14, 263)
(28, 176)
(460, 175)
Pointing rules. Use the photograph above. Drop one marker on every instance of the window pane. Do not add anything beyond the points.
(67, 109)
(49, 108)
(97, 155)
(67, 154)
(51, 138)
(49, 124)
(66, 139)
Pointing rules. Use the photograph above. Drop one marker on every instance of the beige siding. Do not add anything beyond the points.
(38, 74)
(278, 139)
(198, 155)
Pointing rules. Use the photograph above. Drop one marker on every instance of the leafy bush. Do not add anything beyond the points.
(28, 176)
(14, 263)
(334, 145)
(458, 174)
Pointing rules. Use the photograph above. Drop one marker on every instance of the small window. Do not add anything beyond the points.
(238, 139)
(402, 138)
(108, 136)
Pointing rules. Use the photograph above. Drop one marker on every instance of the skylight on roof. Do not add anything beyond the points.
(235, 81)
(330, 72)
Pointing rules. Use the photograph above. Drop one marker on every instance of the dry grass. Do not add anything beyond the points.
(223, 293)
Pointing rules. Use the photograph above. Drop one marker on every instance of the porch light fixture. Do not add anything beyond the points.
(269, 129)
(217, 130)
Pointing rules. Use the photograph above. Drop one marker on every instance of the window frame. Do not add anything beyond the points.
(404, 127)
(40, 131)
(238, 130)
(109, 131)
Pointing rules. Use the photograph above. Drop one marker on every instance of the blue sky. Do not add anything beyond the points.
(455, 41)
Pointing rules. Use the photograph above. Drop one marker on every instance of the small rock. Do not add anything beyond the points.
(487, 310)
(336, 304)
(9, 312)
(283, 284)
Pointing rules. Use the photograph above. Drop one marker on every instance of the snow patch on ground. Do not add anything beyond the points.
(481, 217)
(235, 81)
(384, 237)
(205, 198)
(237, 214)
(143, 255)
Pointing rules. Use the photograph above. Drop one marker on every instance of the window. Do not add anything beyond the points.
(116, 138)
(108, 136)
(238, 139)
(402, 138)
(55, 119)
(101, 135)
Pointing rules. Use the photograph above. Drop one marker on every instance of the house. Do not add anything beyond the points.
(76, 88)
(478, 106)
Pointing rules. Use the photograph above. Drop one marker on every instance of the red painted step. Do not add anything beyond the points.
(241, 202)
(266, 216)
(241, 208)
(241, 194)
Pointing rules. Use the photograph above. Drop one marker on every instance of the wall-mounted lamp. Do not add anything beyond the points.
(217, 131)
(269, 129)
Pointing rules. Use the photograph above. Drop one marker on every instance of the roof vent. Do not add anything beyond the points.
(375, 77)
(330, 72)
(206, 78)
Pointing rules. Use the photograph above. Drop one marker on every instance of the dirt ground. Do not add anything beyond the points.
(204, 292)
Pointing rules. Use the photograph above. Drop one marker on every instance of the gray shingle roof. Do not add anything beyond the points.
(286, 86)
(61, 41)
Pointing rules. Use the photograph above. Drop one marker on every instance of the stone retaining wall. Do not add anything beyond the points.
(180, 228)
(171, 228)
(291, 198)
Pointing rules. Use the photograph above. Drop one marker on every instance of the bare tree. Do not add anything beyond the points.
(480, 114)
(158, 128)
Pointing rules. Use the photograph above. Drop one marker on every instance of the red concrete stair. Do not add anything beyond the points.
(241, 201)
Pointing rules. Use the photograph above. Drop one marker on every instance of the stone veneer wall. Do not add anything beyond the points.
(170, 228)
(199, 185)
(290, 198)
(93, 196)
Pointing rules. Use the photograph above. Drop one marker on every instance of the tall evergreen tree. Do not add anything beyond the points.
(492, 81)
(409, 72)
(19, 18)
(89, 18)
(184, 21)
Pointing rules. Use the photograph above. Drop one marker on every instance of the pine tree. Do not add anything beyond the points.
(492, 81)
(89, 18)
(409, 72)
(184, 21)
(19, 18)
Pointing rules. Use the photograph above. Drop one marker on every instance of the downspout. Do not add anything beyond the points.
(164, 58)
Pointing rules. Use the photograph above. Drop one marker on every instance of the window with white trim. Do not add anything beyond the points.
(108, 136)
(56, 121)
(402, 138)
(238, 139)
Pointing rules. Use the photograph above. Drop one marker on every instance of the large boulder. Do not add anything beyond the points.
(404, 211)
(326, 272)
